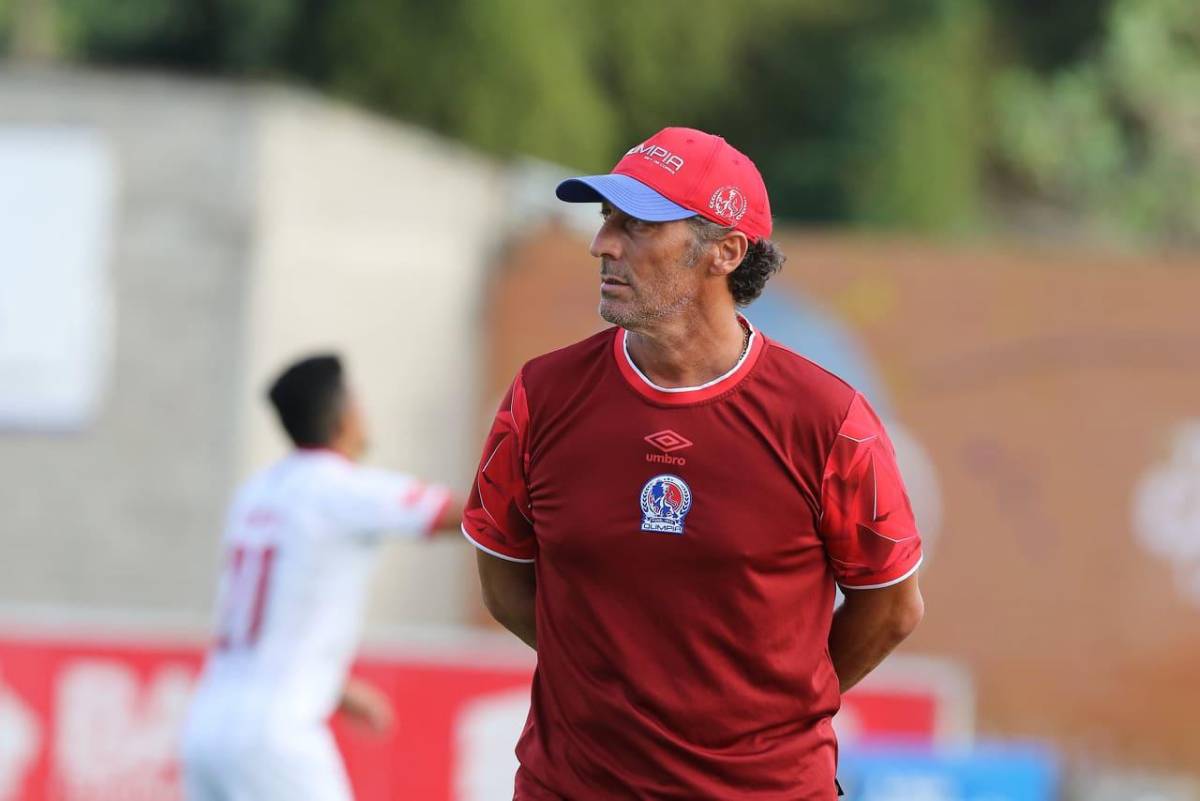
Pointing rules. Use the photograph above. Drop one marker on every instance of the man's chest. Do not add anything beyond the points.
(703, 485)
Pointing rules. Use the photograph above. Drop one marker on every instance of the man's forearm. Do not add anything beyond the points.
(869, 626)
(510, 594)
(522, 624)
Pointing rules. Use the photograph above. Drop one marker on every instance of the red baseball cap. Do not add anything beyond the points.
(679, 173)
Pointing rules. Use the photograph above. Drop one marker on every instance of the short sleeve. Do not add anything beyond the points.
(497, 516)
(867, 522)
(371, 501)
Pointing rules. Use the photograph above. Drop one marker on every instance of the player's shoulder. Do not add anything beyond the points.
(793, 375)
(577, 356)
(570, 363)
(257, 484)
(300, 473)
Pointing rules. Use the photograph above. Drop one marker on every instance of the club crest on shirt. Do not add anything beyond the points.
(666, 500)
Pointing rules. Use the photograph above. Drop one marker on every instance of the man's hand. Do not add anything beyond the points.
(869, 625)
(366, 706)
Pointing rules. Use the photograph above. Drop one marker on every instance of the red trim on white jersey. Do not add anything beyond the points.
(441, 510)
(681, 396)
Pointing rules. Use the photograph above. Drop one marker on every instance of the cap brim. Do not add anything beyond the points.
(628, 194)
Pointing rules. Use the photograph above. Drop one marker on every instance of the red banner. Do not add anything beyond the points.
(84, 720)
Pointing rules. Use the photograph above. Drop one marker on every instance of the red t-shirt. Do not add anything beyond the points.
(686, 545)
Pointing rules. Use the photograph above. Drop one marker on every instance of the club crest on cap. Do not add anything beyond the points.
(728, 203)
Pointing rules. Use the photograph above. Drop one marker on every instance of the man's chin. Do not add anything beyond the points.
(616, 314)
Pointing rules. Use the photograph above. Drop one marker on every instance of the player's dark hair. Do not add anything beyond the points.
(308, 396)
(762, 260)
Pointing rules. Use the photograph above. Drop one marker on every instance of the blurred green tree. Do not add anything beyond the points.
(509, 77)
(6, 24)
(1048, 34)
(861, 112)
(914, 157)
(223, 36)
(869, 114)
(29, 28)
(1115, 138)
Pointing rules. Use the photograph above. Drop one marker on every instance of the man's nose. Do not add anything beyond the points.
(606, 243)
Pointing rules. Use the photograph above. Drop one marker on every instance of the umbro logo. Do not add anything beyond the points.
(667, 441)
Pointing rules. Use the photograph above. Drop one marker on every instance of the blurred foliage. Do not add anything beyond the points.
(1115, 137)
(914, 144)
(1048, 35)
(901, 114)
(6, 14)
(226, 36)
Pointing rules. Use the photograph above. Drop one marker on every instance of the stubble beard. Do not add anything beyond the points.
(642, 312)
(640, 316)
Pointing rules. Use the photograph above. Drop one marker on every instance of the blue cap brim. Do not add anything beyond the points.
(628, 194)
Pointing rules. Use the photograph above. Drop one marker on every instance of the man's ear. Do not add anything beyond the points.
(730, 250)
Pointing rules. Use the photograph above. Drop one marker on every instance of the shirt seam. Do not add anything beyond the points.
(874, 579)
(489, 545)
(829, 455)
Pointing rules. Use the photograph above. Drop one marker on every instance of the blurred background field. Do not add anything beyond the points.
(991, 212)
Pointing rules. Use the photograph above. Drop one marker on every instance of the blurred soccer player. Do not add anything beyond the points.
(299, 545)
(662, 510)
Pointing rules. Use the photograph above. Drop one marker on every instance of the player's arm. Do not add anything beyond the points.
(872, 544)
(509, 591)
(448, 519)
(869, 626)
(366, 705)
(372, 501)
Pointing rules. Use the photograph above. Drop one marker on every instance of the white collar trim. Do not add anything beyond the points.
(732, 370)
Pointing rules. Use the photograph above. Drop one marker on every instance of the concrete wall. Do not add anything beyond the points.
(253, 224)
(123, 513)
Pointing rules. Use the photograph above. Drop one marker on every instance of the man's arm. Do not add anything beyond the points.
(509, 589)
(869, 625)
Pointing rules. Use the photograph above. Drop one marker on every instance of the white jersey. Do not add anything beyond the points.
(299, 547)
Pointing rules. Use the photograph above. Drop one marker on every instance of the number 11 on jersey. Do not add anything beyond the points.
(244, 587)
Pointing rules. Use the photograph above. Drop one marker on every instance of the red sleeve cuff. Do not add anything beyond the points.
(886, 578)
(489, 545)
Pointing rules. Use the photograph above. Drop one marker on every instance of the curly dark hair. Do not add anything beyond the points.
(762, 260)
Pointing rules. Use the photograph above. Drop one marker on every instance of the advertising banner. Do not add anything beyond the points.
(97, 719)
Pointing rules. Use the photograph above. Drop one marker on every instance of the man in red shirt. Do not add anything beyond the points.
(662, 511)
